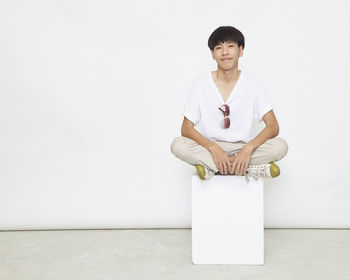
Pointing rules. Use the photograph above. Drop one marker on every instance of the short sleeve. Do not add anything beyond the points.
(262, 104)
(191, 108)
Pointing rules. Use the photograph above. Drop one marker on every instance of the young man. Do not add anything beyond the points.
(225, 102)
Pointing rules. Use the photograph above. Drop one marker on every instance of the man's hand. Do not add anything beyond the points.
(220, 158)
(239, 162)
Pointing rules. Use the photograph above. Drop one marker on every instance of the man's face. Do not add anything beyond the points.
(226, 55)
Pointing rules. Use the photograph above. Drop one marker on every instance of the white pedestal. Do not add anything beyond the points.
(227, 220)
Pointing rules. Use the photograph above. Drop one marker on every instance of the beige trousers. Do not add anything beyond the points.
(189, 151)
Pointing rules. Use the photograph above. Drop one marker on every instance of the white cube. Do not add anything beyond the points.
(227, 220)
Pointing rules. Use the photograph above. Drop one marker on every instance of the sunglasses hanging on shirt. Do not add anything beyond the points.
(225, 123)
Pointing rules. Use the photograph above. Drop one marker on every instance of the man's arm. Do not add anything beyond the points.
(220, 158)
(271, 130)
(188, 130)
(240, 162)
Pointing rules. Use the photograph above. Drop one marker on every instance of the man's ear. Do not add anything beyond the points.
(241, 51)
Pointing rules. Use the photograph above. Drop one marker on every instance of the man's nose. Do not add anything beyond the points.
(224, 50)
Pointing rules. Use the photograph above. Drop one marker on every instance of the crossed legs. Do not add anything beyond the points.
(189, 151)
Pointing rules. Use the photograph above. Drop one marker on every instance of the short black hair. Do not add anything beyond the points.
(225, 34)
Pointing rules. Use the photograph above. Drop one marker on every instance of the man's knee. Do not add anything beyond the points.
(176, 146)
(280, 148)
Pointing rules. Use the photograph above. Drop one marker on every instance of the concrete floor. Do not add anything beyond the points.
(166, 254)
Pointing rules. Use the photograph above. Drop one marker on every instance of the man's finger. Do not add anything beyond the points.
(218, 165)
(233, 167)
(245, 167)
(225, 167)
(231, 170)
(221, 167)
(238, 167)
(242, 167)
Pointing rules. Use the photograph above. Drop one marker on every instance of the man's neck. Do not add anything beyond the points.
(228, 76)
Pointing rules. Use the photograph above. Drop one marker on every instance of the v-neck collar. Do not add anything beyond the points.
(211, 81)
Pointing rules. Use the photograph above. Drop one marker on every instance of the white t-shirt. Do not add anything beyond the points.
(249, 100)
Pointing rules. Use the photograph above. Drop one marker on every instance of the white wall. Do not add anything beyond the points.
(92, 92)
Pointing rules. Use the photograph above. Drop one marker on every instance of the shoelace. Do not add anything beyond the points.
(256, 174)
(246, 178)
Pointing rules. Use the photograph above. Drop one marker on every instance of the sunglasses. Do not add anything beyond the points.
(225, 123)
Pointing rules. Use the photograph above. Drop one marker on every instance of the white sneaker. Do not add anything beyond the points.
(268, 170)
(203, 172)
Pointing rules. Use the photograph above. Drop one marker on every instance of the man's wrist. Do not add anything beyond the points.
(211, 146)
(249, 146)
